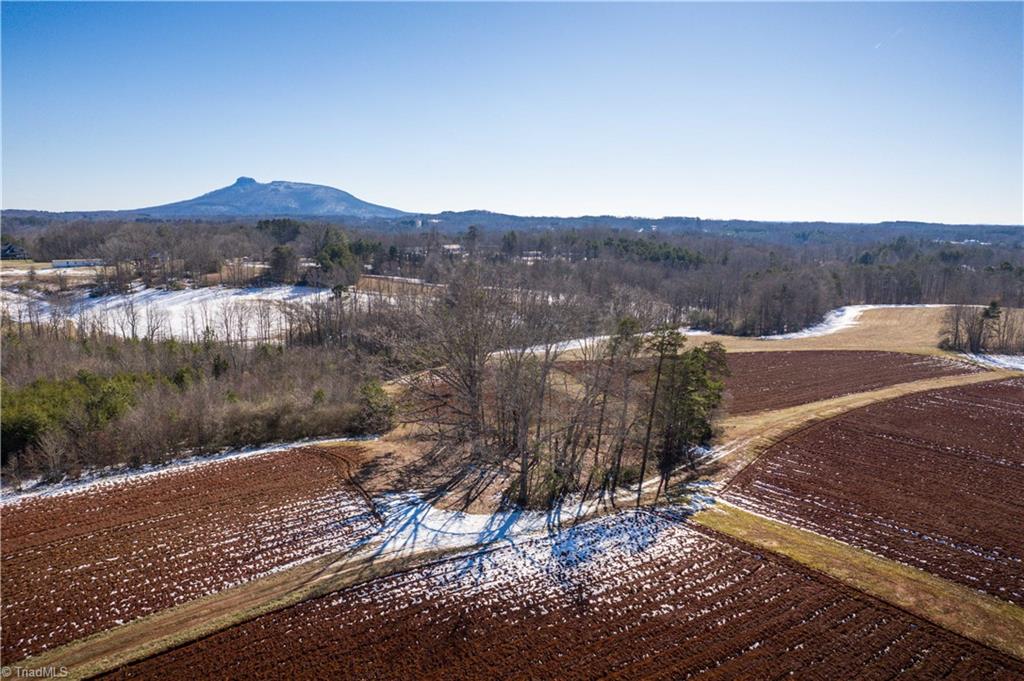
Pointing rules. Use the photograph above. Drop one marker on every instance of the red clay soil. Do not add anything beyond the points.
(934, 480)
(763, 381)
(632, 596)
(77, 563)
(776, 380)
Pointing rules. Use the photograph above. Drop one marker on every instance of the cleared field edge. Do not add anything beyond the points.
(745, 438)
(959, 609)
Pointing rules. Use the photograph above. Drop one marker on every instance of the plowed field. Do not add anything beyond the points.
(776, 380)
(634, 595)
(82, 562)
(934, 480)
(763, 381)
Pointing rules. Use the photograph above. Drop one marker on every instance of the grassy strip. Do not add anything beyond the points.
(972, 614)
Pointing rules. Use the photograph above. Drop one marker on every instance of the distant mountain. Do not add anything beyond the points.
(247, 197)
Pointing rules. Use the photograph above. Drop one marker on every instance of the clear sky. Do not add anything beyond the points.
(847, 112)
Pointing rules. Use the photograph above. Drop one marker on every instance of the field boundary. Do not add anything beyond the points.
(954, 607)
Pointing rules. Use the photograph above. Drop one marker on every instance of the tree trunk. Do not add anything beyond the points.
(650, 424)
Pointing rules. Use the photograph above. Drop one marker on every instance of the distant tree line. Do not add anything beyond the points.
(727, 284)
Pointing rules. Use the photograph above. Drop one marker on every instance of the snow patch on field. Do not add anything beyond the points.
(837, 320)
(411, 524)
(112, 477)
(45, 271)
(549, 562)
(1013, 362)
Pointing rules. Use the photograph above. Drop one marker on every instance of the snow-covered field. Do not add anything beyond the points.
(412, 525)
(191, 314)
(70, 272)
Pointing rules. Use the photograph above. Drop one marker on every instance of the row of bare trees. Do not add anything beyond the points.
(991, 329)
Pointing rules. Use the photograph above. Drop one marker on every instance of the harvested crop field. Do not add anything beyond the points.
(775, 380)
(634, 595)
(934, 480)
(81, 562)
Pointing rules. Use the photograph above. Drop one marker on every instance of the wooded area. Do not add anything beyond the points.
(727, 284)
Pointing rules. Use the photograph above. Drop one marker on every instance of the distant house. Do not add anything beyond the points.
(452, 250)
(78, 262)
(13, 252)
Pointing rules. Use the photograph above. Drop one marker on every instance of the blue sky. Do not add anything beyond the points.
(858, 112)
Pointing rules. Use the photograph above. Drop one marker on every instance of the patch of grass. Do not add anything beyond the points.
(24, 264)
(910, 329)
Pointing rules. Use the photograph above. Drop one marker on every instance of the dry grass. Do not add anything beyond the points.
(910, 329)
(967, 612)
(24, 264)
(396, 287)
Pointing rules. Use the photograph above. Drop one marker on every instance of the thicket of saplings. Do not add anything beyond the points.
(73, 402)
(726, 284)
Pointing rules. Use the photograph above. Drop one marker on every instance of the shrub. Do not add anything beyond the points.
(629, 475)
(376, 409)
(47, 405)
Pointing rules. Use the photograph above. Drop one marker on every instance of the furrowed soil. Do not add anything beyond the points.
(77, 563)
(934, 480)
(635, 595)
(766, 381)
(762, 381)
